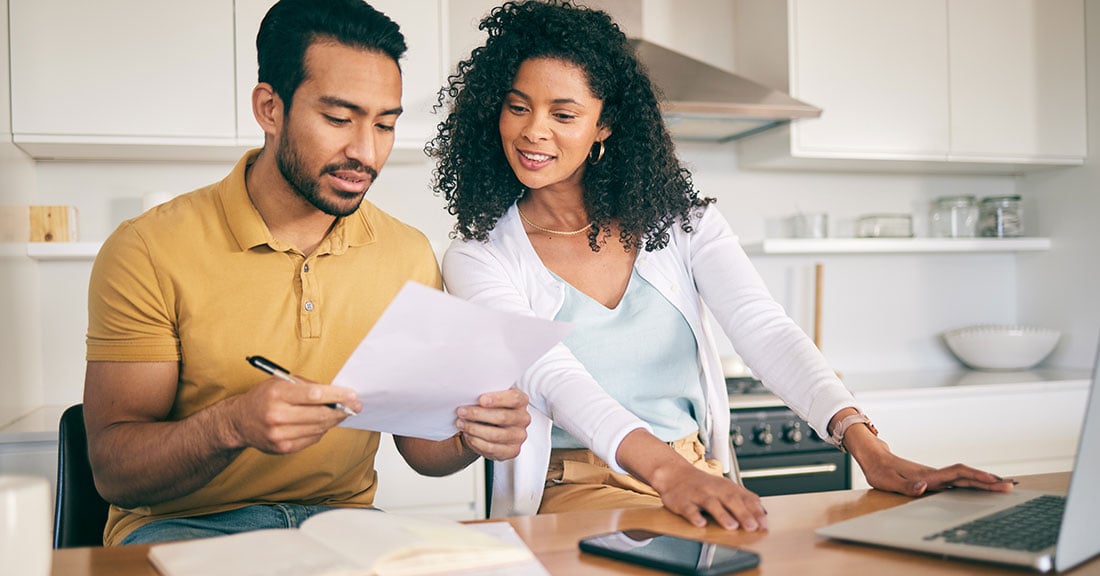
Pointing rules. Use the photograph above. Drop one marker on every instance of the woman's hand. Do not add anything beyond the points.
(496, 427)
(691, 492)
(886, 471)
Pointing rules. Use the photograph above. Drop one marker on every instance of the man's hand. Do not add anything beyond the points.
(280, 417)
(497, 426)
(141, 458)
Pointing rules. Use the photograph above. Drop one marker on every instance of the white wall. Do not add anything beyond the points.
(880, 313)
(1060, 288)
(19, 305)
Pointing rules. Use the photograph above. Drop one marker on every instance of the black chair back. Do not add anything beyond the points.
(80, 513)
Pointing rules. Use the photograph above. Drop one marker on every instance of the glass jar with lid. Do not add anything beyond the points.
(954, 217)
(1001, 217)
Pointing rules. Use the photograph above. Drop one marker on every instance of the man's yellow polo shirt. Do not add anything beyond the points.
(200, 280)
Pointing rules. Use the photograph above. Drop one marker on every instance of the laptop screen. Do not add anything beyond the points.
(1078, 540)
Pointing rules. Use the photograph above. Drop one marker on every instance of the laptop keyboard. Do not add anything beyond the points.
(1031, 526)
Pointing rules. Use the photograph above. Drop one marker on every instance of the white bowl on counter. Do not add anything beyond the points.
(1001, 347)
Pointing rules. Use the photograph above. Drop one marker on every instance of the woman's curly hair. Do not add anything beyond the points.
(639, 181)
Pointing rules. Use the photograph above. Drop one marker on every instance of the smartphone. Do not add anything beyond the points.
(670, 553)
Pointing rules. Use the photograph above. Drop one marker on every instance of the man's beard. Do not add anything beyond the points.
(309, 187)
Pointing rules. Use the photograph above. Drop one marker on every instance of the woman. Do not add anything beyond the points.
(571, 205)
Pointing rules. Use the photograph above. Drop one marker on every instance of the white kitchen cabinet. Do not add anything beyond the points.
(953, 85)
(1017, 80)
(460, 496)
(121, 74)
(28, 446)
(1003, 426)
(134, 80)
(249, 14)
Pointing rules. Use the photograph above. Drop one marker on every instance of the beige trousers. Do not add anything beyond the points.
(579, 480)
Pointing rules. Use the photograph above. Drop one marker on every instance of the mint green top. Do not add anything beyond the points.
(642, 352)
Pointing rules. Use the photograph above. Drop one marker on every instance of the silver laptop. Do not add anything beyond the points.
(994, 527)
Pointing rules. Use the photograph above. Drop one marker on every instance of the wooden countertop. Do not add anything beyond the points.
(788, 547)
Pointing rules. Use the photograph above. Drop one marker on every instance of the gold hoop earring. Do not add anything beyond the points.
(595, 154)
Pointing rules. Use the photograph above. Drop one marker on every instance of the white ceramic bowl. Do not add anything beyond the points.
(997, 347)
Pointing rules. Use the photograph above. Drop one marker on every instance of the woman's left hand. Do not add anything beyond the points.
(885, 470)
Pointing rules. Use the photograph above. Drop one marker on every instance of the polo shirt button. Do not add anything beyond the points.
(309, 306)
(305, 268)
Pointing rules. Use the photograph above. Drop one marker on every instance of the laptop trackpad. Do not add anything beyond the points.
(935, 509)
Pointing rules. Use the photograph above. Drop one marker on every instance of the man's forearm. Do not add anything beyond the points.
(146, 463)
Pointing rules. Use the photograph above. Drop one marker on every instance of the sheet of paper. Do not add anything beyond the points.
(430, 353)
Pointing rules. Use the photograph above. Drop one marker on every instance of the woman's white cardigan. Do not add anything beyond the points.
(706, 267)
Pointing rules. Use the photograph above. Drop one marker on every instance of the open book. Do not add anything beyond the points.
(353, 542)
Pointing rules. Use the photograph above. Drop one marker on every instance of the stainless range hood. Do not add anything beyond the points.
(707, 103)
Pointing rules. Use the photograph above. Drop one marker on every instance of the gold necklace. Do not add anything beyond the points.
(549, 231)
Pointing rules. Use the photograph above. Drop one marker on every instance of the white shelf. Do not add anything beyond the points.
(895, 245)
(63, 251)
(167, 149)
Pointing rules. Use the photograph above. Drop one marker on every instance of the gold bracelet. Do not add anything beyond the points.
(841, 428)
(460, 445)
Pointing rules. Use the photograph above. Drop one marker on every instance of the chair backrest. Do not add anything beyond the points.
(80, 513)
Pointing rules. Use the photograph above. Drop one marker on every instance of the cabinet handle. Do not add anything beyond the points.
(789, 471)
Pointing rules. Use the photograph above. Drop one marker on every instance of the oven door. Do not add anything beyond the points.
(773, 474)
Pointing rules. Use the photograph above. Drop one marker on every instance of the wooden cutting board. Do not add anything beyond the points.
(39, 223)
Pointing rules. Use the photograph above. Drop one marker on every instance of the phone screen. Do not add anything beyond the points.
(673, 553)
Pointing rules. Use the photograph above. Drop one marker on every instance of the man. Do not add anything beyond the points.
(284, 259)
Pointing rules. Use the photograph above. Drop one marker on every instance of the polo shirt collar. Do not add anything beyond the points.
(250, 230)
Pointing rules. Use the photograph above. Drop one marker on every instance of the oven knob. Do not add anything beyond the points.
(763, 434)
(793, 432)
(736, 437)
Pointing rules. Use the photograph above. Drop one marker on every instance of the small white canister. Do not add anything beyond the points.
(25, 525)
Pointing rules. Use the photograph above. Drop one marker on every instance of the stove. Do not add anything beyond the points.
(778, 452)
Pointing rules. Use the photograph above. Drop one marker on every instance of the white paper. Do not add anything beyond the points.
(430, 353)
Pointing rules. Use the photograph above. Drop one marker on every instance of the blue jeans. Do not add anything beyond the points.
(256, 517)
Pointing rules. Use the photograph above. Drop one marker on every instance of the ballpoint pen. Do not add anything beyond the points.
(280, 372)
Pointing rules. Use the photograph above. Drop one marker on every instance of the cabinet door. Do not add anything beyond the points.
(879, 72)
(122, 69)
(1010, 429)
(421, 68)
(1017, 79)
(249, 14)
(460, 496)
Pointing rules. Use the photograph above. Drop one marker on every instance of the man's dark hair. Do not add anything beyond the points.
(291, 26)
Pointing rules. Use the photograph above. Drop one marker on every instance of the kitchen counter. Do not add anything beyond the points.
(39, 425)
(875, 385)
